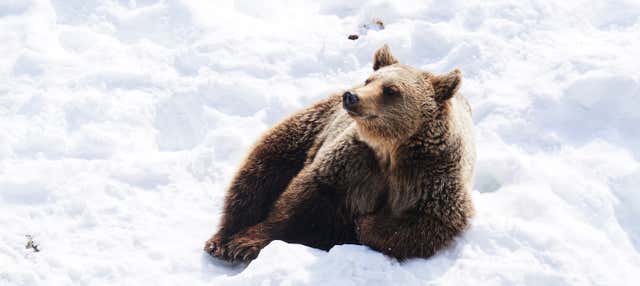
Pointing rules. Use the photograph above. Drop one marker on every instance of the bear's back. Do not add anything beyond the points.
(462, 126)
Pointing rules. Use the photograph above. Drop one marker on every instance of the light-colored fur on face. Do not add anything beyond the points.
(397, 100)
(391, 104)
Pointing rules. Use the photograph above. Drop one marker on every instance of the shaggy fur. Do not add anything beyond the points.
(392, 172)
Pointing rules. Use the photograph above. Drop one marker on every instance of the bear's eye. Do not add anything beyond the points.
(367, 81)
(390, 91)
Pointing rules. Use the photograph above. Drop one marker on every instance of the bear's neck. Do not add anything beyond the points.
(384, 147)
(385, 151)
(432, 134)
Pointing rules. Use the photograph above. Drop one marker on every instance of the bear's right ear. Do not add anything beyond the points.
(383, 58)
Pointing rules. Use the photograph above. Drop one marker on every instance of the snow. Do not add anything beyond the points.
(122, 122)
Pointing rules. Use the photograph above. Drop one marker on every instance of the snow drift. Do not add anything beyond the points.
(121, 122)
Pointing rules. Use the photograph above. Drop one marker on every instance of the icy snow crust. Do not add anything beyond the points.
(122, 122)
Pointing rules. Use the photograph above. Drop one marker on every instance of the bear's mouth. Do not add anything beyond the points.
(361, 116)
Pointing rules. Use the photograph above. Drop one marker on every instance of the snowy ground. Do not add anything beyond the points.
(121, 123)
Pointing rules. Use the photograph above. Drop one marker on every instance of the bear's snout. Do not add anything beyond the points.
(349, 100)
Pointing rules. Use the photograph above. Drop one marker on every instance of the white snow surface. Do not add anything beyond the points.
(122, 122)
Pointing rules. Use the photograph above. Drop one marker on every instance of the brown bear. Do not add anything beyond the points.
(387, 164)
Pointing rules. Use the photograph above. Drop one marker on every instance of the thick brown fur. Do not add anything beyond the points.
(392, 172)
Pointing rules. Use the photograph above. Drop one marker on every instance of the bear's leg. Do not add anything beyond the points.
(270, 166)
(309, 212)
(408, 235)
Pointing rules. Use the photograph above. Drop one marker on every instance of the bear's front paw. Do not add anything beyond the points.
(215, 246)
(245, 249)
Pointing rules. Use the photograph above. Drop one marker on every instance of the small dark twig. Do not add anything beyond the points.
(31, 244)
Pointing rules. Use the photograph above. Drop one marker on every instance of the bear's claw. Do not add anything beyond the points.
(239, 249)
(244, 249)
(215, 247)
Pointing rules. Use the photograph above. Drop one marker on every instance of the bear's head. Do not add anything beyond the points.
(396, 100)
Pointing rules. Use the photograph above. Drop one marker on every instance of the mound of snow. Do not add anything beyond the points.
(122, 122)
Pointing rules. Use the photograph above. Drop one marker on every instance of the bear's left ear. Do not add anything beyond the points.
(383, 58)
(446, 85)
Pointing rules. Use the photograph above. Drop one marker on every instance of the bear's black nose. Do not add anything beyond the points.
(349, 99)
